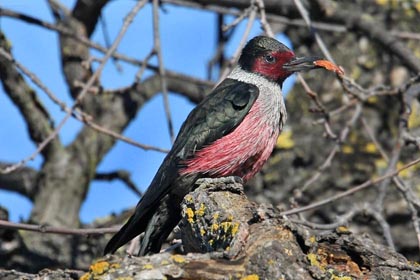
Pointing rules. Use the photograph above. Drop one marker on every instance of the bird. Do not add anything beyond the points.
(231, 132)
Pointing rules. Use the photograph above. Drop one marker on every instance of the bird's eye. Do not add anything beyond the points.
(269, 58)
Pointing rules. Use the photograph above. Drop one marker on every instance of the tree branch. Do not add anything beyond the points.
(57, 230)
(351, 190)
(122, 175)
(22, 181)
(88, 13)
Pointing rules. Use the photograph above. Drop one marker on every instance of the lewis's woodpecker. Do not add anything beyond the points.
(232, 132)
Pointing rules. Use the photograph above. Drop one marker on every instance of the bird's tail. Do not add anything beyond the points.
(156, 222)
(134, 226)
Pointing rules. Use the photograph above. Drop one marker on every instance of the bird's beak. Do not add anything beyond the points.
(301, 64)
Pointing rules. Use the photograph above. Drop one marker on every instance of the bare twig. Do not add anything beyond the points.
(340, 221)
(107, 40)
(372, 136)
(264, 23)
(219, 55)
(320, 107)
(305, 15)
(386, 230)
(57, 230)
(351, 191)
(392, 164)
(245, 13)
(244, 38)
(121, 137)
(143, 67)
(122, 175)
(343, 135)
(158, 50)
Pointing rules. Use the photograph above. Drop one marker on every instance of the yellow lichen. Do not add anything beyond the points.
(285, 141)
(356, 73)
(226, 226)
(190, 215)
(235, 228)
(251, 277)
(99, 267)
(148, 266)
(314, 261)
(380, 164)
(406, 172)
(86, 276)
(312, 239)
(342, 229)
(115, 265)
(216, 216)
(414, 118)
(188, 198)
(200, 212)
(214, 227)
(178, 259)
(202, 231)
(346, 149)
(372, 99)
(164, 262)
(370, 148)
(274, 159)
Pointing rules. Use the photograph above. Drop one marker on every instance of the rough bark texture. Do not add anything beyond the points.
(237, 239)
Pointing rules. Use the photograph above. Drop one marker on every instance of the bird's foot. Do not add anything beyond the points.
(231, 183)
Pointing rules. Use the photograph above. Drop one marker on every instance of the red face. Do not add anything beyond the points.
(271, 64)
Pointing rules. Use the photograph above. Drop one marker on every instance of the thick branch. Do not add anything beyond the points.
(73, 54)
(88, 13)
(122, 175)
(21, 181)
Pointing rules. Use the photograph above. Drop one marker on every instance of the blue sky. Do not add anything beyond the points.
(188, 38)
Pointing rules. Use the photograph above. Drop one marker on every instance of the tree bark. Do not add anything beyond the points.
(228, 237)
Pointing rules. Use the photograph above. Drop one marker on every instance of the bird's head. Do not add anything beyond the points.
(270, 58)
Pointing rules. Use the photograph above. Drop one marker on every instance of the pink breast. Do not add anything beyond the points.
(241, 153)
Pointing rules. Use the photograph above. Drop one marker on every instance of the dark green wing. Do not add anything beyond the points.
(217, 115)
